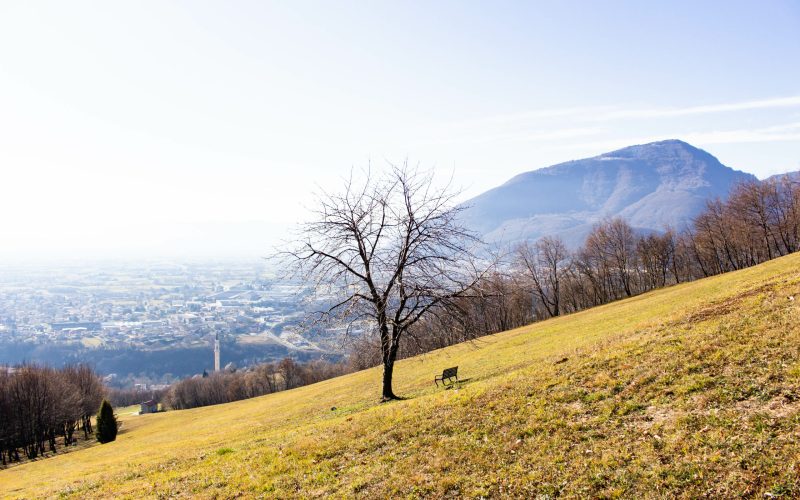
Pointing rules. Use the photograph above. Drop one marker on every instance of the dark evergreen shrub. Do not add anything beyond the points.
(106, 428)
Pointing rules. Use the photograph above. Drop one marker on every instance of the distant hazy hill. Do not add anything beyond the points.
(795, 176)
(651, 185)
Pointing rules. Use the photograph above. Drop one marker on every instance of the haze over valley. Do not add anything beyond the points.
(153, 322)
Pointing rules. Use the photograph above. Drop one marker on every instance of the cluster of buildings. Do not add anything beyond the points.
(149, 307)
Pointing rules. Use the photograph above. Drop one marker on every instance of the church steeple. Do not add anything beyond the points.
(216, 352)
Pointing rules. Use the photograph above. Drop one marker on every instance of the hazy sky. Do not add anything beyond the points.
(200, 128)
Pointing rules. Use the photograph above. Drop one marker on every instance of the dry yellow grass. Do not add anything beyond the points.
(688, 391)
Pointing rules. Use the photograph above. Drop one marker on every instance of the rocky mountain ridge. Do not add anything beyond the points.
(653, 186)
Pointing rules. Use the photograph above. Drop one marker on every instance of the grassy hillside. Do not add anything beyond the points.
(688, 391)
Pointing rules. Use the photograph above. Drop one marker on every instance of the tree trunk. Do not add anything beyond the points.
(388, 370)
(389, 356)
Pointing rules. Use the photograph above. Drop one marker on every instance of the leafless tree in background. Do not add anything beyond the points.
(392, 248)
(544, 263)
(785, 206)
(656, 253)
(619, 246)
(751, 201)
(234, 385)
(90, 391)
(39, 404)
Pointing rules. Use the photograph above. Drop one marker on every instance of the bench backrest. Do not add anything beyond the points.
(450, 372)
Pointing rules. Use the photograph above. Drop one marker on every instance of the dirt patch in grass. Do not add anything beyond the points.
(783, 407)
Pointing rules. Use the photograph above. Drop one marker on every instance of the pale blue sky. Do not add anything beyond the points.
(159, 128)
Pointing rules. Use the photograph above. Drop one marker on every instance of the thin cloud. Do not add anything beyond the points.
(528, 116)
(777, 133)
(612, 113)
(782, 102)
(559, 128)
(780, 133)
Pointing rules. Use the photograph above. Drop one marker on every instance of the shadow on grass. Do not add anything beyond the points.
(457, 384)
(396, 398)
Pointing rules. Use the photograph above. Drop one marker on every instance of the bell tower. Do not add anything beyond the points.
(216, 352)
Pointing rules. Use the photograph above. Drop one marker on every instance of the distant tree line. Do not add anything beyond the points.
(232, 385)
(759, 221)
(128, 397)
(42, 406)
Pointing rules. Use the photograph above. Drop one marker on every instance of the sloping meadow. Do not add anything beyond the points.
(688, 391)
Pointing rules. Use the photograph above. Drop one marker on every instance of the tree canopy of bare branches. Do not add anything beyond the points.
(38, 404)
(393, 250)
(544, 263)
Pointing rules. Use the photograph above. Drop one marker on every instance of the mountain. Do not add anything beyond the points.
(650, 185)
(794, 176)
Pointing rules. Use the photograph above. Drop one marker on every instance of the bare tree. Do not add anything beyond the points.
(544, 262)
(38, 404)
(656, 253)
(90, 391)
(751, 202)
(393, 249)
(290, 372)
(786, 207)
(620, 242)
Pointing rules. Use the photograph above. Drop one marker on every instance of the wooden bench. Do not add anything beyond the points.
(447, 376)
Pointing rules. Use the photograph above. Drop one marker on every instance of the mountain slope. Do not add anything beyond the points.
(689, 391)
(793, 176)
(651, 185)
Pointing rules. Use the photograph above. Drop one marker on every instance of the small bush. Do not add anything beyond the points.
(106, 430)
